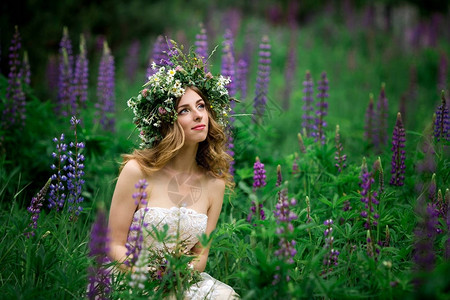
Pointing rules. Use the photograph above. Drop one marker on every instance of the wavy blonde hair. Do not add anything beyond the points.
(211, 154)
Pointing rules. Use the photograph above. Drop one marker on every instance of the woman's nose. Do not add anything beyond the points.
(197, 115)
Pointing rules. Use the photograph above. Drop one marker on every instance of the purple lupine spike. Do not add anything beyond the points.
(378, 168)
(301, 144)
(330, 259)
(442, 206)
(443, 71)
(290, 68)
(75, 173)
(308, 99)
(319, 121)
(132, 60)
(99, 286)
(35, 208)
(398, 153)
(259, 181)
(57, 195)
(340, 157)
(262, 80)
(369, 127)
(368, 197)
(52, 73)
(284, 216)
(136, 237)
(447, 222)
(26, 69)
(65, 88)
(425, 234)
(157, 55)
(106, 90)
(381, 120)
(201, 43)
(241, 77)
(259, 177)
(81, 78)
(432, 189)
(228, 70)
(442, 121)
(14, 111)
(228, 62)
(279, 177)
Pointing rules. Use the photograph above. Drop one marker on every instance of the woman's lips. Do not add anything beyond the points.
(199, 127)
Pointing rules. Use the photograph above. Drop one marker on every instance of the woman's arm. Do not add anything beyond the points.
(122, 210)
(216, 189)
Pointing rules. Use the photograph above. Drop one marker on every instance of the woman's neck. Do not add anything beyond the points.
(184, 161)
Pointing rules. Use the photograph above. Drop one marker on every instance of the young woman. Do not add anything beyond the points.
(180, 113)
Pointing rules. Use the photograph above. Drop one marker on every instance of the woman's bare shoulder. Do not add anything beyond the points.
(132, 168)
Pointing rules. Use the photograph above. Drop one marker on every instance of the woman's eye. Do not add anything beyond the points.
(183, 111)
(201, 106)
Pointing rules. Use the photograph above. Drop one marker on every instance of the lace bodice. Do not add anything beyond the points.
(185, 225)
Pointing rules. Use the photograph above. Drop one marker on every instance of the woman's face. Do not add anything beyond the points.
(193, 117)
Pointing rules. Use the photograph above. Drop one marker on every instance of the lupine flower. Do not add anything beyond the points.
(262, 80)
(259, 175)
(339, 156)
(26, 69)
(284, 217)
(301, 144)
(432, 189)
(369, 243)
(443, 70)
(425, 235)
(368, 197)
(52, 73)
(331, 256)
(289, 73)
(14, 110)
(378, 168)
(75, 172)
(241, 78)
(441, 205)
(308, 99)
(259, 181)
(99, 286)
(228, 65)
(447, 222)
(140, 273)
(157, 55)
(381, 120)
(228, 70)
(35, 208)
(135, 237)
(387, 239)
(398, 153)
(106, 90)
(442, 122)
(81, 79)
(65, 88)
(427, 164)
(201, 43)
(279, 176)
(369, 127)
(319, 122)
(132, 60)
(57, 196)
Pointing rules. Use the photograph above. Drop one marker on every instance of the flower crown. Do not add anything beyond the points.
(154, 106)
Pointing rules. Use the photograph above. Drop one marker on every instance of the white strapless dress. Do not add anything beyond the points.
(185, 225)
